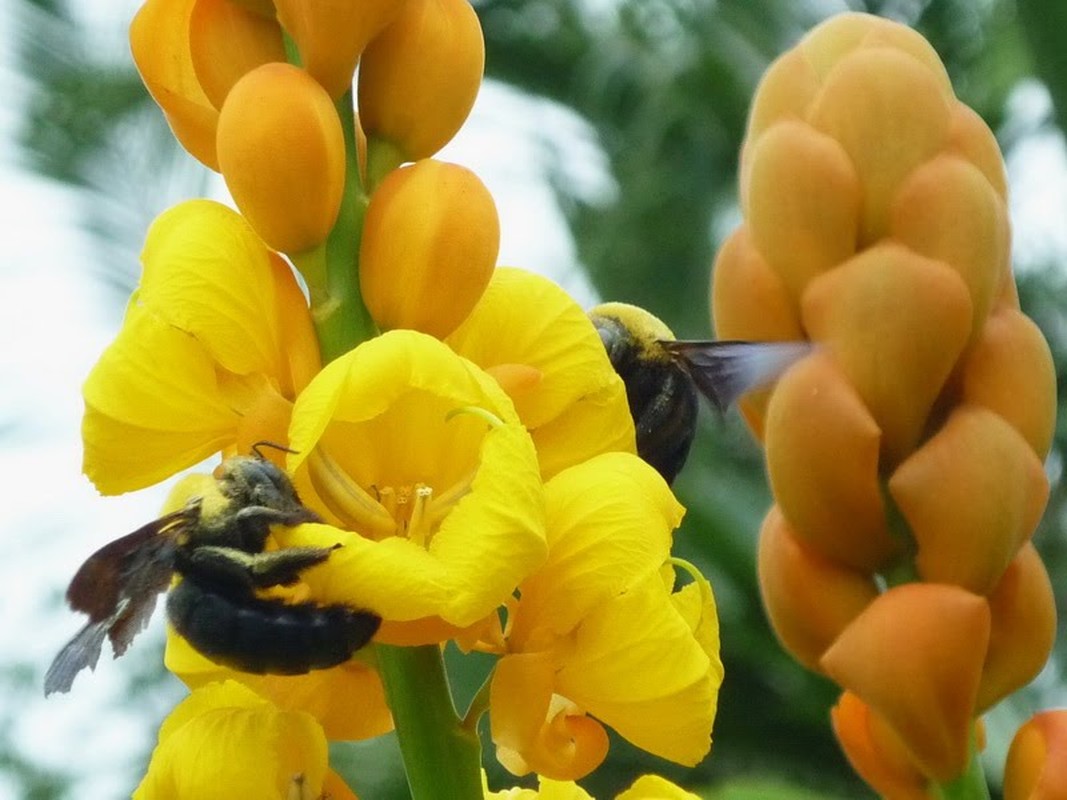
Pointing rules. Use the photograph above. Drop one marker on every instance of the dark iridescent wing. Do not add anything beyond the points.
(723, 371)
(117, 587)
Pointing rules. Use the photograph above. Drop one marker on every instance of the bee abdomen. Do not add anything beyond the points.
(267, 636)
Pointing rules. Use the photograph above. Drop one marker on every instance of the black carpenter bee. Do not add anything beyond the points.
(664, 377)
(215, 543)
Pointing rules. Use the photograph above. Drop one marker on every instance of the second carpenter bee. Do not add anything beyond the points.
(215, 543)
(664, 377)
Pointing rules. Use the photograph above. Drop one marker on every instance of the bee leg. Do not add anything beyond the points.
(253, 570)
(254, 522)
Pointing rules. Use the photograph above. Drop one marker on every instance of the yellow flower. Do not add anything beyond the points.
(647, 787)
(430, 242)
(1037, 760)
(224, 742)
(216, 343)
(419, 456)
(598, 632)
(540, 346)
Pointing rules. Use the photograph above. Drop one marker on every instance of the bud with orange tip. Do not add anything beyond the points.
(419, 77)
(331, 35)
(430, 243)
(1037, 759)
(282, 153)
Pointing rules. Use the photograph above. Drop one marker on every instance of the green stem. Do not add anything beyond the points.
(442, 758)
(971, 785)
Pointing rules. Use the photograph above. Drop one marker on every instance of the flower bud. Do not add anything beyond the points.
(915, 656)
(419, 77)
(809, 599)
(282, 153)
(226, 41)
(1036, 768)
(331, 34)
(430, 243)
(159, 40)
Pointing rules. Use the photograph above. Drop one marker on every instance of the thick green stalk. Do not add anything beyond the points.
(442, 758)
(971, 785)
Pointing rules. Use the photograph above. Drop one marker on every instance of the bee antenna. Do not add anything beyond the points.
(274, 445)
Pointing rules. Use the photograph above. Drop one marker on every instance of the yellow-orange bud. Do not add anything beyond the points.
(1036, 768)
(809, 599)
(282, 153)
(419, 77)
(915, 656)
(430, 243)
(226, 41)
(331, 34)
(159, 40)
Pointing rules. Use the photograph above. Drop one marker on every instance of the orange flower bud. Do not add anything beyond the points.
(875, 752)
(419, 77)
(1010, 371)
(282, 153)
(822, 458)
(1023, 628)
(972, 495)
(915, 657)
(227, 40)
(750, 302)
(159, 40)
(804, 202)
(1037, 759)
(809, 599)
(970, 137)
(430, 242)
(896, 322)
(331, 34)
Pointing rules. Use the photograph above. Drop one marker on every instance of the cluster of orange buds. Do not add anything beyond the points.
(277, 132)
(905, 452)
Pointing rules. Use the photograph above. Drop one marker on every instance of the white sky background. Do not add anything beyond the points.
(55, 321)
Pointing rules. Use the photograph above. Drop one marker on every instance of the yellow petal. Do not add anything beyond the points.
(915, 656)
(225, 743)
(822, 458)
(159, 39)
(610, 522)
(653, 787)
(809, 599)
(451, 502)
(430, 242)
(207, 273)
(1010, 371)
(635, 664)
(152, 407)
(804, 202)
(419, 77)
(971, 138)
(282, 152)
(972, 495)
(535, 731)
(348, 701)
(577, 407)
(896, 322)
(1023, 628)
(926, 216)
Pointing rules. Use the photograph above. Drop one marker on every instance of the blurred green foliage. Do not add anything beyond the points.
(665, 85)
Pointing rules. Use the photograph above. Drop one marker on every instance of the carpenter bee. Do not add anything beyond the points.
(664, 377)
(215, 543)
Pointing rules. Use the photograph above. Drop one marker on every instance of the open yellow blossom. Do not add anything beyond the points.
(538, 343)
(599, 637)
(216, 343)
(225, 742)
(419, 456)
(647, 787)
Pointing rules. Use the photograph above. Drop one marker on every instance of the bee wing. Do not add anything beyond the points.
(723, 371)
(117, 587)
